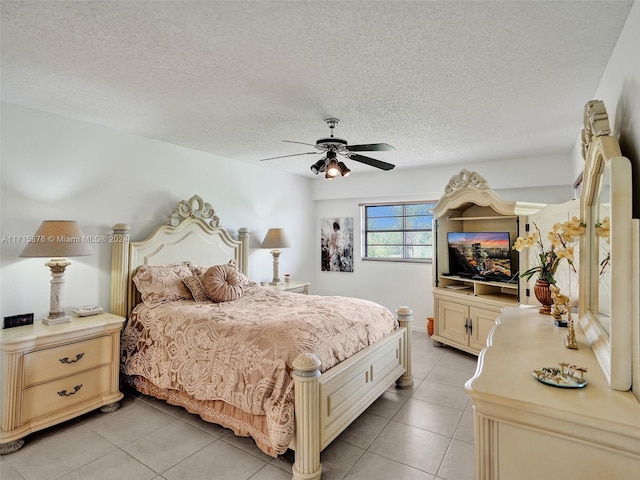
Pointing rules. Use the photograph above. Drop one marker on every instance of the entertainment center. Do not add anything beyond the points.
(469, 299)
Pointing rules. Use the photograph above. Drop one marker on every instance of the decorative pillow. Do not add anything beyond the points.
(194, 285)
(159, 284)
(199, 271)
(222, 283)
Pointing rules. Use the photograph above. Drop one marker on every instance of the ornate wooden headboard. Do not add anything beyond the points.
(191, 233)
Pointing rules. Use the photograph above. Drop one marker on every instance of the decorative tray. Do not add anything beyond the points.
(567, 376)
(86, 310)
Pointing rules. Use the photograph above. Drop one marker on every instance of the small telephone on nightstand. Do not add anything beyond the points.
(87, 310)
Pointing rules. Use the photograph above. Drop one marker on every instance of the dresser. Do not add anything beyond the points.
(525, 429)
(54, 373)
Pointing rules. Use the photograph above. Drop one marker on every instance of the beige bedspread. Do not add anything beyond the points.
(234, 359)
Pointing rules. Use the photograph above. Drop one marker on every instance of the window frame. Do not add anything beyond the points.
(364, 231)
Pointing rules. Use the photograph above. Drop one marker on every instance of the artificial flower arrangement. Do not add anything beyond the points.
(561, 236)
(603, 230)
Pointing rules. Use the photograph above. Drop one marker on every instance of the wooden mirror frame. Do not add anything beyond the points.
(612, 349)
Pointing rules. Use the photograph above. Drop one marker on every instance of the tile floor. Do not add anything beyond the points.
(424, 433)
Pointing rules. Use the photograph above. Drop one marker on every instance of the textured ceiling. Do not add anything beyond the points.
(442, 81)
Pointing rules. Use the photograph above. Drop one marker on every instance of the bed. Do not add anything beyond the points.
(290, 370)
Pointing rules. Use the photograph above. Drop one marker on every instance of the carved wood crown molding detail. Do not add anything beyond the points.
(195, 207)
(596, 124)
(465, 179)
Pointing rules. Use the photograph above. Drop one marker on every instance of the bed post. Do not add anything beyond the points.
(243, 263)
(119, 270)
(306, 376)
(405, 317)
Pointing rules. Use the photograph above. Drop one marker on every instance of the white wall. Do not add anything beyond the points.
(393, 284)
(430, 182)
(57, 168)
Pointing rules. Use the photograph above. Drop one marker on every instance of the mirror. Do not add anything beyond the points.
(602, 239)
(607, 302)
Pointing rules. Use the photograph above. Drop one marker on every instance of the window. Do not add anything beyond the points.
(398, 231)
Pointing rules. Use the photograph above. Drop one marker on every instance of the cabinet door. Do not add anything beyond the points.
(482, 321)
(452, 318)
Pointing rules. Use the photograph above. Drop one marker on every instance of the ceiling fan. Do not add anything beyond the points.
(332, 146)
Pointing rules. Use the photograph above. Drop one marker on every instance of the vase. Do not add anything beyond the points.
(430, 326)
(543, 294)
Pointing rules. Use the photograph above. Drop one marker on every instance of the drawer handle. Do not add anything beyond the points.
(76, 389)
(66, 359)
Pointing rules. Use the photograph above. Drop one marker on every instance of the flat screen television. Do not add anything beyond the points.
(481, 255)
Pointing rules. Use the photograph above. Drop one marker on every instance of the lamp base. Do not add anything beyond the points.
(276, 275)
(57, 314)
(56, 320)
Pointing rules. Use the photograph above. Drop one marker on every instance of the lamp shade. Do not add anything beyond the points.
(276, 238)
(58, 239)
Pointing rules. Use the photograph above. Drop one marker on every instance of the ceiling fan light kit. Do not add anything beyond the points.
(337, 146)
(332, 168)
(318, 166)
(344, 170)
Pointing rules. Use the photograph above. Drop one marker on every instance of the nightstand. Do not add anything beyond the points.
(292, 286)
(51, 374)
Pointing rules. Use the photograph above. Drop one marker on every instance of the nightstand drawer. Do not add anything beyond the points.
(304, 289)
(52, 363)
(64, 393)
(292, 286)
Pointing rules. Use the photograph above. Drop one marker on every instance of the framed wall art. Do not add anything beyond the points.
(336, 244)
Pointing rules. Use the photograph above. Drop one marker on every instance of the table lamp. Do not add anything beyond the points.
(57, 239)
(275, 239)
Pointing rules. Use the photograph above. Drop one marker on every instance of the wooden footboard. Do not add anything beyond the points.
(327, 404)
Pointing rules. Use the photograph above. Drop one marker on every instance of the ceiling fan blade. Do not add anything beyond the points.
(371, 147)
(371, 161)
(301, 143)
(293, 155)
